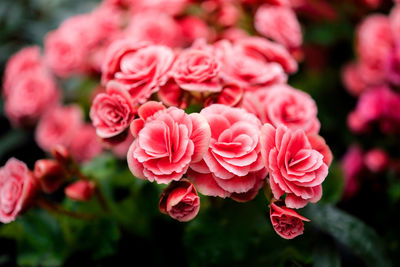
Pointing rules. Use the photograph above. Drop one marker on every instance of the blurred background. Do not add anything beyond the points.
(357, 230)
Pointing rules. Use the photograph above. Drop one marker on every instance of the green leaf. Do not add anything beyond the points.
(350, 231)
(326, 254)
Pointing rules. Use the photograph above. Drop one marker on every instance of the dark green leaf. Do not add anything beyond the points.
(350, 231)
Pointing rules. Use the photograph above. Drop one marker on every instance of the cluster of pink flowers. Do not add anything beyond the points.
(375, 74)
(156, 61)
(374, 79)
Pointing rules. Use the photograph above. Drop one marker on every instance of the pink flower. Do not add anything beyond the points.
(172, 95)
(112, 112)
(297, 163)
(180, 201)
(66, 48)
(17, 188)
(280, 24)
(283, 105)
(168, 142)
(374, 44)
(248, 70)
(31, 96)
(228, 14)
(352, 165)
(231, 95)
(81, 190)
(232, 165)
(376, 160)
(58, 127)
(50, 174)
(85, 145)
(268, 51)
(286, 222)
(140, 67)
(27, 59)
(196, 70)
(120, 150)
(154, 27)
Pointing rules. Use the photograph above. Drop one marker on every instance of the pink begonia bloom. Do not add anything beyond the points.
(233, 34)
(245, 69)
(268, 51)
(50, 174)
(196, 70)
(162, 31)
(352, 79)
(280, 24)
(232, 165)
(172, 95)
(85, 145)
(180, 201)
(140, 67)
(297, 164)
(17, 189)
(352, 165)
(81, 190)
(283, 105)
(394, 19)
(357, 123)
(286, 222)
(27, 59)
(58, 127)
(376, 160)
(167, 143)
(112, 112)
(32, 95)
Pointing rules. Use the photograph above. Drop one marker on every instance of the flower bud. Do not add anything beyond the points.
(50, 174)
(180, 201)
(286, 222)
(81, 190)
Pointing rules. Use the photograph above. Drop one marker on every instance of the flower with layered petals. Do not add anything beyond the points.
(140, 67)
(232, 165)
(297, 164)
(168, 140)
(196, 70)
(283, 105)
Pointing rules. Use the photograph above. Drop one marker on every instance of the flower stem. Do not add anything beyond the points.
(53, 207)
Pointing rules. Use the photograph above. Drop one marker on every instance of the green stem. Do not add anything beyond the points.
(55, 208)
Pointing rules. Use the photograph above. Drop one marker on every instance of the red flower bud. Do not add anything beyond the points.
(286, 222)
(50, 174)
(180, 201)
(61, 154)
(80, 190)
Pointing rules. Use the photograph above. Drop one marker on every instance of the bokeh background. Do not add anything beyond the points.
(358, 231)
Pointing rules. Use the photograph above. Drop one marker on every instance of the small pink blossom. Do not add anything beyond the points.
(81, 190)
(280, 24)
(140, 67)
(376, 160)
(196, 70)
(85, 145)
(112, 112)
(17, 189)
(283, 105)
